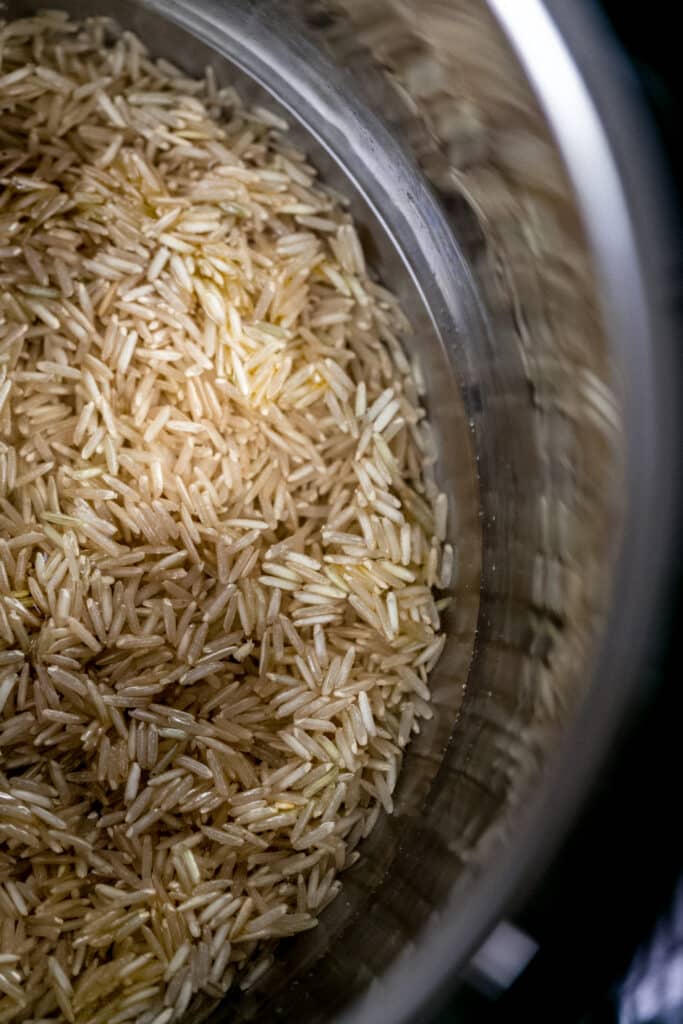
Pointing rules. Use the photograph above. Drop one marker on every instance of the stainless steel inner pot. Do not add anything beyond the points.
(499, 177)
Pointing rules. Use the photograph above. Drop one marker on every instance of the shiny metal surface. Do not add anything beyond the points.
(495, 202)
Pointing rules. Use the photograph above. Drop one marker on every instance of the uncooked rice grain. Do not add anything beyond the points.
(219, 533)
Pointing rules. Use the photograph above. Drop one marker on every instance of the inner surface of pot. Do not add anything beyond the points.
(518, 379)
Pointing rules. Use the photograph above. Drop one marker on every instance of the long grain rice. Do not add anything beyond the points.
(219, 534)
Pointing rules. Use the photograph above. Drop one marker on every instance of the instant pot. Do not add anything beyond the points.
(500, 162)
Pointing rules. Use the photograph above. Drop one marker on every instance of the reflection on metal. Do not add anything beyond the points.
(653, 989)
(500, 959)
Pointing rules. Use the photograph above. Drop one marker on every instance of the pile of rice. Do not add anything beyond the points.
(219, 535)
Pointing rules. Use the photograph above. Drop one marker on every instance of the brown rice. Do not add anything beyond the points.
(219, 535)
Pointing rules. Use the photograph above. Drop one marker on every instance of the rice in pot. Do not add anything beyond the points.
(219, 535)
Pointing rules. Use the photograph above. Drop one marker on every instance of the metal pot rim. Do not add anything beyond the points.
(596, 115)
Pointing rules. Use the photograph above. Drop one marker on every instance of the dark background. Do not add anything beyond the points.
(608, 914)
